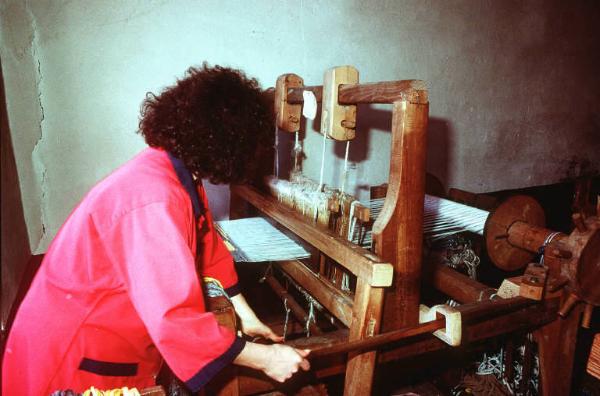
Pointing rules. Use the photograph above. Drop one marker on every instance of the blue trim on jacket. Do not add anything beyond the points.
(205, 374)
(185, 178)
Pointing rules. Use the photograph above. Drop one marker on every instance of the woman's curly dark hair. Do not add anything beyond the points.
(214, 120)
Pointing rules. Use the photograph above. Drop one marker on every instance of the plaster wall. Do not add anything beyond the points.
(514, 88)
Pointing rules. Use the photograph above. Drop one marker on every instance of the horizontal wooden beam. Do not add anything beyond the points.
(354, 258)
(333, 299)
(458, 286)
(476, 328)
(470, 313)
(526, 318)
(415, 91)
(371, 343)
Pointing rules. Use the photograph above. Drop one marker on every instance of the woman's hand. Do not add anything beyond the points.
(284, 361)
(278, 361)
(251, 325)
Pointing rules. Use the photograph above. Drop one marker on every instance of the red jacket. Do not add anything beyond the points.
(118, 290)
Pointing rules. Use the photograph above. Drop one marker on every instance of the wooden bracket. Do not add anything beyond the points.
(338, 121)
(287, 115)
(382, 274)
(452, 334)
(533, 282)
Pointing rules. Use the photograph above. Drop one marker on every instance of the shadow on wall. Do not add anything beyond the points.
(371, 118)
(439, 160)
(15, 242)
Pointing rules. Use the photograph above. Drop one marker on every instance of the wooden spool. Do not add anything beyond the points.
(519, 208)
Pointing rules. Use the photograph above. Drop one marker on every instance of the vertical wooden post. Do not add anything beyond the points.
(556, 347)
(398, 231)
(366, 320)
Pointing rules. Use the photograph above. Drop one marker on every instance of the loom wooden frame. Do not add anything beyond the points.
(396, 231)
(397, 236)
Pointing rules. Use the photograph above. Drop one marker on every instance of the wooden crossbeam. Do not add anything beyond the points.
(415, 91)
(506, 317)
(333, 299)
(355, 259)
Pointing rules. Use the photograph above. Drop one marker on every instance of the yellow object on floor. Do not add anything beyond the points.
(113, 392)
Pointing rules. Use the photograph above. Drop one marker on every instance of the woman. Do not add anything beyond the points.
(119, 290)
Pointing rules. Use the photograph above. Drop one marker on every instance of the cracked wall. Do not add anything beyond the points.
(21, 69)
(513, 84)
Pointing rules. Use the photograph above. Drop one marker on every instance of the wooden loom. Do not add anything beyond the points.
(386, 296)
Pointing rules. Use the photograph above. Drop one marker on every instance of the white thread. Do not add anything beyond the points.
(287, 318)
(352, 220)
(322, 162)
(345, 282)
(549, 239)
(345, 173)
(310, 318)
(441, 218)
(251, 236)
(297, 151)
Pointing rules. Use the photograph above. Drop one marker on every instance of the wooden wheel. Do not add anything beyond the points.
(501, 252)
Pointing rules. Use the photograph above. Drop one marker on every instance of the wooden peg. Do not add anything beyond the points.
(579, 222)
(338, 121)
(587, 316)
(568, 305)
(555, 283)
(562, 253)
(362, 213)
(334, 205)
(287, 115)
